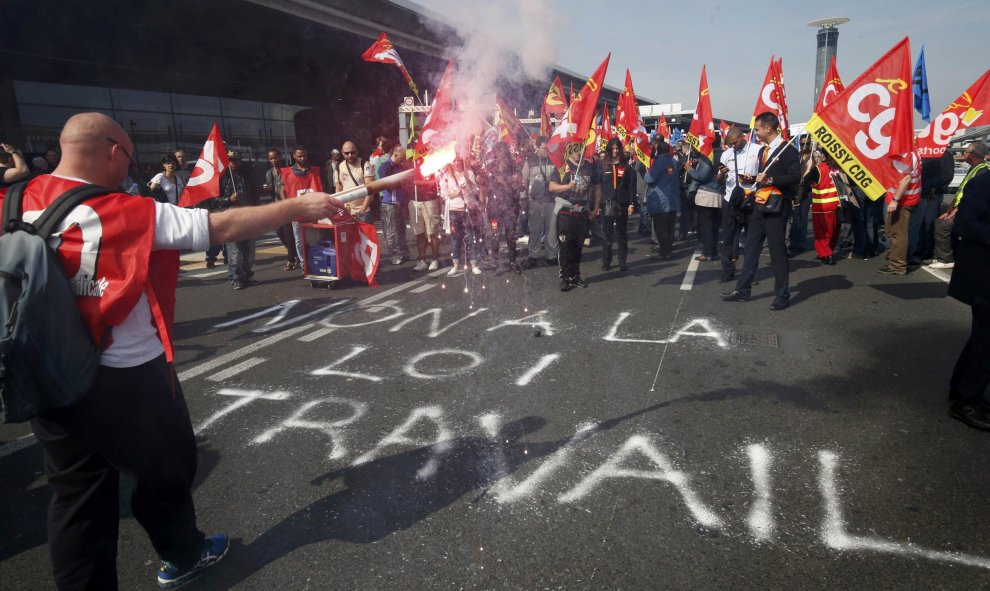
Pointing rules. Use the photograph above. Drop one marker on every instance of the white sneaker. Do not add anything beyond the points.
(455, 270)
(475, 269)
(420, 266)
(397, 260)
(941, 265)
(434, 265)
(587, 241)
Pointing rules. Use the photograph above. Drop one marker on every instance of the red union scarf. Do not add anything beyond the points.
(383, 52)
(969, 109)
(867, 127)
(831, 87)
(204, 182)
(701, 135)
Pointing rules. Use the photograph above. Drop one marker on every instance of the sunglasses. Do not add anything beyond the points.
(350, 153)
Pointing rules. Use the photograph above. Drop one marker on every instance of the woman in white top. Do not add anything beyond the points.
(166, 185)
(459, 189)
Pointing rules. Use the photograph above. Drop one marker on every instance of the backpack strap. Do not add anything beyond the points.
(12, 207)
(65, 203)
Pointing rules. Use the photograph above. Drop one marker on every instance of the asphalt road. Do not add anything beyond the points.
(494, 433)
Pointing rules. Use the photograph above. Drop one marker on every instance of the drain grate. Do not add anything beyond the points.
(756, 339)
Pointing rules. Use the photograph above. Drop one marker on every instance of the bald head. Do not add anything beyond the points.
(350, 152)
(94, 148)
(733, 137)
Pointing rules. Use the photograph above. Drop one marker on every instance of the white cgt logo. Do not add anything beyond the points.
(366, 254)
(881, 142)
(206, 170)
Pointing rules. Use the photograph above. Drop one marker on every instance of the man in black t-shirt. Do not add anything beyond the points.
(579, 186)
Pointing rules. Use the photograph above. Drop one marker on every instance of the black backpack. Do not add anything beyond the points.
(47, 356)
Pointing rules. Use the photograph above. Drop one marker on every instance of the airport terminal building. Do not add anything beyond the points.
(271, 72)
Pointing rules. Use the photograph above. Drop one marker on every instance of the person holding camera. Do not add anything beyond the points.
(578, 191)
(777, 177)
(13, 164)
(737, 170)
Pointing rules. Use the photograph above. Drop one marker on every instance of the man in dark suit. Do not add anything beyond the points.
(779, 172)
(970, 284)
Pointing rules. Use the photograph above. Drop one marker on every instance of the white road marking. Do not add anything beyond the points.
(542, 364)
(422, 288)
(316, 334)
(242, 352)
(201, 274)
(692, 270)
(236, 369)
(17, 445)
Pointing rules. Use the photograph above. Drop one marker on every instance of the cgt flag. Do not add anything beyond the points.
(204, 182)
(366, 254)
(630, 126)
(701, 135)
(509, 126)
(383, 52)
(772, 97)
(867, 128)
(969, 109)
(569, 136)
(605, 131)
(430, 137)
(831, 87)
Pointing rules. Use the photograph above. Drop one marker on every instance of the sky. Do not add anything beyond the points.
(664, 44)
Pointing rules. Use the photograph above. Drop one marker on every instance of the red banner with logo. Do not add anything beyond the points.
(431, 136)
(630, 126)
(366, 254)
(971, 108)
(701, 135)
(383, 52)
(573, 129)
(204, 182)
(867, 128)
(831, 87)
(772, 97)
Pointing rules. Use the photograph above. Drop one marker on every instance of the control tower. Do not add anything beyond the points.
(828, 43)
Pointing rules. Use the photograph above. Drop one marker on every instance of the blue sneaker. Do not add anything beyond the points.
(171, 575)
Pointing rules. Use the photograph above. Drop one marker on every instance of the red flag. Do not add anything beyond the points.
(604, 131)
(572, 94)
(772, 97)
(554, 102)
(509, 125)
(204, 182)
(701, 135)
(630, 125)
(971, 107)
(723, 128)
(383, 52)
(366, 254)
(544, 120)
(571, 132)
(782, 112)
(591, 141)
(662, 129)
(867, 128)
(431, 136)
(831, 87)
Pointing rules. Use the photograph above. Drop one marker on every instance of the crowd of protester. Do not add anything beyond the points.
(477, 210)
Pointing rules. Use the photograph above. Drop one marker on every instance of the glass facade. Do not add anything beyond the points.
(158, 121)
